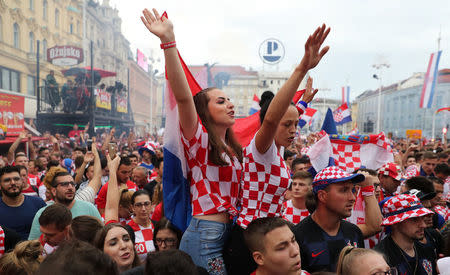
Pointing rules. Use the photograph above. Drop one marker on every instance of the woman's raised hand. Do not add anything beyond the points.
(309, 91)
(161, 27)
(312, 55)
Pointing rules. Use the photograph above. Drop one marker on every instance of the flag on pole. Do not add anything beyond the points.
(351, 152)
(346, 95)
(329, 125)
(306, 117)
(255, 105)
(426, 98)
(342, 114)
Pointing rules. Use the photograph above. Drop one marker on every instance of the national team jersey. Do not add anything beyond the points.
(266, 178)
(293, 214)
(143, 239)
(443, 211)
(320, 251)
(100, 201)
(214, 189)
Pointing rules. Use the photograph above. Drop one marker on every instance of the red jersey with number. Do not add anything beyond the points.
(143, 239)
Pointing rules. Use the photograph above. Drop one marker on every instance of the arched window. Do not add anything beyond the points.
(31, 41)
(44, 49)
(44, 9)
(56, 18)
(16, 39)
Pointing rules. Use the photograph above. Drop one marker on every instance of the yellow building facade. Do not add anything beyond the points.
(22, 23)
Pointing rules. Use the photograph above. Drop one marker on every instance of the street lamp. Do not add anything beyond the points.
(379, 67)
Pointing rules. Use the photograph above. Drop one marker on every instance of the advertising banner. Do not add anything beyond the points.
(103, 99)
(122, 104)
(414, 134)
(11, 113)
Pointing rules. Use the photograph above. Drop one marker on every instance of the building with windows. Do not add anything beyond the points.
(400, 107)
(24, 22)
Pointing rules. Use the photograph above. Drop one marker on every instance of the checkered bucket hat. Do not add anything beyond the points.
(148, 146)
(403, 207)
(334, 174)
(391, 169)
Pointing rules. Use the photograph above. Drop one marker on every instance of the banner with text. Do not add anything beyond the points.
(103, 99)
(122, 104)
(12, 113)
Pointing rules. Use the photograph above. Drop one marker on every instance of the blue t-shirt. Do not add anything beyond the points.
(21, 217)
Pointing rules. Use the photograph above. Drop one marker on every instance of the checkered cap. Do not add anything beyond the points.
(403, 207)
(334, 174)
(149, 146)
(446, 198)
(391, 169)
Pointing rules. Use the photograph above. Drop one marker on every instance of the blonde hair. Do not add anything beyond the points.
(348, 257)
(125, 197)
(24, 259)
(157, 194)
(50, 175)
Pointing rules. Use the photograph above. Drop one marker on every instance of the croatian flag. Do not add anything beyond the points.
(306, 117)
(426, 98)
(346, 95)
(342, 114)
(255, 105)
(354, 131)
(350, 152)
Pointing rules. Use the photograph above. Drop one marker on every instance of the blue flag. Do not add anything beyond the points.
(328, 124)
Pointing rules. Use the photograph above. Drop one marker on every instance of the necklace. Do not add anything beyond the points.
(416, 257)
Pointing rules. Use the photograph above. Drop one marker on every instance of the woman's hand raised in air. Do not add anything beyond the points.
(162, 27)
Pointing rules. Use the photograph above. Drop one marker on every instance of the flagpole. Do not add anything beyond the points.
(433, 126)
(379, 67)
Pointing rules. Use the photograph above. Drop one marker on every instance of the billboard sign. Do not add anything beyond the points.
(103, 99)
(65, 55)
(12, 113)
(271, 51)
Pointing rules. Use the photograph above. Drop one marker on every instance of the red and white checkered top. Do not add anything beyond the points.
(403, 207)
(2, 242)
(293, 214)
(443, 211)
(214, 189)
(412, 171)
(143, 239)
(265, 179)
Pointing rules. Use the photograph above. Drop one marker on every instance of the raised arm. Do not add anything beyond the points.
(283, 98)
(96, 182)
(14, 146)
(112, 195)
(108, 140)
(372, 210)
(163, 29)
(88, 157)
(31, 148)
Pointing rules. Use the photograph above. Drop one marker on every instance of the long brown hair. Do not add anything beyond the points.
(201, 100)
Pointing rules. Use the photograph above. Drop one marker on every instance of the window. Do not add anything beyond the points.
(57, 18)
(30, 85)
(31, 4)
(16, 41)
(1, 29)
(31, 40)
(78, 27)
(44, 9)
(44, 49)
(9, 80)
(71, 28)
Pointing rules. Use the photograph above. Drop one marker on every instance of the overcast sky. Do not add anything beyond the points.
(401, 33)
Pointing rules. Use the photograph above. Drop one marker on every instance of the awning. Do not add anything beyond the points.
(31, 129)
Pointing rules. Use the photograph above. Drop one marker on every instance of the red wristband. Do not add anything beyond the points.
(368, 190)
(167, 45)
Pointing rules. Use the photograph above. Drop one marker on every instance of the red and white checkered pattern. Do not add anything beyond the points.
(347, 156)
(293, 214)
(148, 145)
(391, 169)
(34, 180)
(330, 173)
(2, 242)
(305, 150)
(214, 189)
(338, 116)
(443, 211)
(143, 239)
(265, 180)
(412, 171)
(405, 206)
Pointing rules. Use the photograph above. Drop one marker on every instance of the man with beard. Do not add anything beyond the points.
(323, 234)
(16, 209)
(63, 190)
(405, 214)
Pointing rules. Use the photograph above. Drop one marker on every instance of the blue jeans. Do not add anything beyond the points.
(204, 241)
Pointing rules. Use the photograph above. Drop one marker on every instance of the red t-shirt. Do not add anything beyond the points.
(74, 133)
(100, 201)
(157, 213)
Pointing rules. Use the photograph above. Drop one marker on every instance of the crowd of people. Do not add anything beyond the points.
(95, 205)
